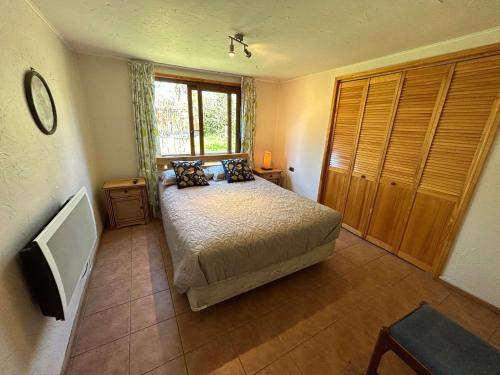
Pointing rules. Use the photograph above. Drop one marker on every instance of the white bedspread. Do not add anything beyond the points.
(224, 230)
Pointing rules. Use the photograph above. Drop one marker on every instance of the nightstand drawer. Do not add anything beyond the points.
(127, 210)
(120, 193)
(271, 176)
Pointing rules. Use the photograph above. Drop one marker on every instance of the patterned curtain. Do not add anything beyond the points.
(248, 106)
(141, 75)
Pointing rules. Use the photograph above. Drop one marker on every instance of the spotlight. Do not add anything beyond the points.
(238, 37)
(247, 52)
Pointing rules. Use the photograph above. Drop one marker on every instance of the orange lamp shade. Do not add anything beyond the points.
(267, 164)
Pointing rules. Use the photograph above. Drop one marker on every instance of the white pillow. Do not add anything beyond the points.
(168, 178)
(217, 172)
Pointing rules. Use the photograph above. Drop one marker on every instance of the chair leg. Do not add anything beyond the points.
(380, 349)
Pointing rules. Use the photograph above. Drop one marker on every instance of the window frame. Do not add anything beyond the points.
(215, 86)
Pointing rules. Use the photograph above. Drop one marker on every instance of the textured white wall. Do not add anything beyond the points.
(266, 116)
(109, 102)
(304, 108)
(474, 264)
(37, 174)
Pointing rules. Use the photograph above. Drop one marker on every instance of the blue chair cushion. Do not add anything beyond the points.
(443, 346)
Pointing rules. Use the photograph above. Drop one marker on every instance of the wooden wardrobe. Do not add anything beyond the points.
(405, 149)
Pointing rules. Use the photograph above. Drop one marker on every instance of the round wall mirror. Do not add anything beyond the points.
(40, 102)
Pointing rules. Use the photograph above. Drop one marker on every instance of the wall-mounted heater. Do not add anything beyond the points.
(58, 258)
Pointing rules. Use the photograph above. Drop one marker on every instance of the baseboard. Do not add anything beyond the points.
(67, 355)
(482, 302)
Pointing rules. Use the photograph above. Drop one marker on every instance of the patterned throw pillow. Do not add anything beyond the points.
(189, 173)
(237, 170)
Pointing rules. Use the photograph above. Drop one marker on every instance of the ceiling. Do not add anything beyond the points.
(287, 38)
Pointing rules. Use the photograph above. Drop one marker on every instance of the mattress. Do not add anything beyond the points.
(223, 230)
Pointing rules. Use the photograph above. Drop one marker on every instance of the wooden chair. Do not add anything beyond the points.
(432, 344)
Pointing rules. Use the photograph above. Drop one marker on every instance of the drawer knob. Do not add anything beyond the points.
(125, 191)
(363, 176)
(393, 183)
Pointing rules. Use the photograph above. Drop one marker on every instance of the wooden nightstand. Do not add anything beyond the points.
(272, 175)
(127, 202)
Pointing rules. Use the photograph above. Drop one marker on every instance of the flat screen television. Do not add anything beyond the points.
(59, 256)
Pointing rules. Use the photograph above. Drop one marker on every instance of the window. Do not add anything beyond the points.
(197, 118)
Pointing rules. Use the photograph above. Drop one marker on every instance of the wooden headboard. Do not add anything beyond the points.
(163, 162)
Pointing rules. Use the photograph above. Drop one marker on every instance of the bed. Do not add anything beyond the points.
(226, 239)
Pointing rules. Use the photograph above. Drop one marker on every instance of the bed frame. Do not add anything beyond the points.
(204, 296)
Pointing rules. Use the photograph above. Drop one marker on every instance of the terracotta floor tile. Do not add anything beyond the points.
(239, 309)
(154, 346)
(361, 252)
(151, 309)
(298, 283)
(283, 366)
(353, 337)
(112, 358)
(181, 303)
(341, 297)
(391, 267)
(311, 358)
(174, 367)
(144, 285)
(198, 328)
(143, 265)
(346, 239)
(257, 345)
(145, 244)
(335, 266)
(321, 320)
(391, 364)
(268, 297)
(217, 356)
(103, 297)
(112, 263)
(290, 324)
(145, 248)
(110, 273)
(392, 303)
(377, 274)
(169, 269)
(471, 315)
(111, 253)
(102, 328)
(302, 318)
(116, 236)
(422, 284)
(153, 252)
(140, 231)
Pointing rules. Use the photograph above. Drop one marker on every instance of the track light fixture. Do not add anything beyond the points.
(238, 37)
(247, 52)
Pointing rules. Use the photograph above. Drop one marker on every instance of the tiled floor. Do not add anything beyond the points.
(322, 320)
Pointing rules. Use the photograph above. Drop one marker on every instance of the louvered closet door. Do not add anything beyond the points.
(350, 99)
(375, 123)
(417, 103)
(473, 89)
